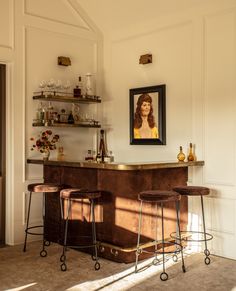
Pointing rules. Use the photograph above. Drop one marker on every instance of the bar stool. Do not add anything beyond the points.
(159, 197)
(195, 191)
(74, 194)
(39, 188)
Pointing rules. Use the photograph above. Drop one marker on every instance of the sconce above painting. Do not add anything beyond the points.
(63, 61)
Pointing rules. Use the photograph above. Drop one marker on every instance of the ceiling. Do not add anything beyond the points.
(111, 15)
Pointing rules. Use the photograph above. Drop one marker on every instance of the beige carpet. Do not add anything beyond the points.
(28, 271)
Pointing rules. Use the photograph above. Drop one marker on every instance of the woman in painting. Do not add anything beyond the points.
(144, 121)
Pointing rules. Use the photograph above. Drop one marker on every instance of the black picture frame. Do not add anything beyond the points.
(158, 105)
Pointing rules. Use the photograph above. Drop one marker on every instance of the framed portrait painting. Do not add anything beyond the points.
(148, 115)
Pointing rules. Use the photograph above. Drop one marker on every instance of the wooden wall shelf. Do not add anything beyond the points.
(68, 99)
(68, 125)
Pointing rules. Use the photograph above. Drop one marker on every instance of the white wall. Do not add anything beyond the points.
(194, 54)
(32, 35)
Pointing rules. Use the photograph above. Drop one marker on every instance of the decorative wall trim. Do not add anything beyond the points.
(154, 30)
(26, 12)
(11, 26)
(206, 18)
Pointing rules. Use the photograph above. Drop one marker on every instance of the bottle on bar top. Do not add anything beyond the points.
(181, 155)
(191, 157)
(102, 148)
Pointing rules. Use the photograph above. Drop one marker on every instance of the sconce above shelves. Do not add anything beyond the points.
(63, 61)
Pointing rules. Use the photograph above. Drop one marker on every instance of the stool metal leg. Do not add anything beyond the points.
(63, 256)
(139, 251)
(164, 275)
(156, 260)
(206, 251)
(43, 252)
(177, 237)
(97, 265)
(27, 222)
(179, 233)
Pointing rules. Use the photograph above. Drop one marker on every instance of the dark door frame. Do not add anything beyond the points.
(2, 152)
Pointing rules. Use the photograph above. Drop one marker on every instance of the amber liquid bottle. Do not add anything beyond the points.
(191, 155)
(181, 155)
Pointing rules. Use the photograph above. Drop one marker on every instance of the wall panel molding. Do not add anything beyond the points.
(55, 16)
(9, 25)
(219, 101)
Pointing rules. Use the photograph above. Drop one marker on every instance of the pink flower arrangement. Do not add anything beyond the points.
(45, 141)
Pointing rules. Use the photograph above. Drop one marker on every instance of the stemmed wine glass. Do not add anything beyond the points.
(42, 85)
(58, 87)
(67, 86)
(51, 86)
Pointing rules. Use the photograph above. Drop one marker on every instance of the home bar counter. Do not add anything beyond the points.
(118, 209)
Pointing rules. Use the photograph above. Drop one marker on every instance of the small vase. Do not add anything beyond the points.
(181, 155)
(46, 155)
(191, 157)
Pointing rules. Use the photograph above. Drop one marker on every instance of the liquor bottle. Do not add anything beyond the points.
(77, 89)
(190, 155)
(50, 111)
(71, 118)
(181, 155)
(102, 148)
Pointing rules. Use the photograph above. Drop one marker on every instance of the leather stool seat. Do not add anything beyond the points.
(159, 196)
(69, 195)
(76, 193)
(40, 188)
(44, 187)
(192, 190)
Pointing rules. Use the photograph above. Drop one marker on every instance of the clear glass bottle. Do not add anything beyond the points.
(50, 111)
(111, 156)
(39, 113)
(181, 155)
(88, 84)
(190, 154)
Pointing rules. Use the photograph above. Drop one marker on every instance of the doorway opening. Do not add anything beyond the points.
(2, 152)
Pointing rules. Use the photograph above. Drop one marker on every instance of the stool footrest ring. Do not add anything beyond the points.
(178, 249)
(187, 236)
(81, 246)
(32, 227)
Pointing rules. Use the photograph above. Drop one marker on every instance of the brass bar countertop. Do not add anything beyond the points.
(120, 166)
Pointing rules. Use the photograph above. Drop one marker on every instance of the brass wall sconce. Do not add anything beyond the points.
(63, 61)
(145, 59)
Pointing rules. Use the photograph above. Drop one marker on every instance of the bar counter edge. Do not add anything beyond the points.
(116, 166)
